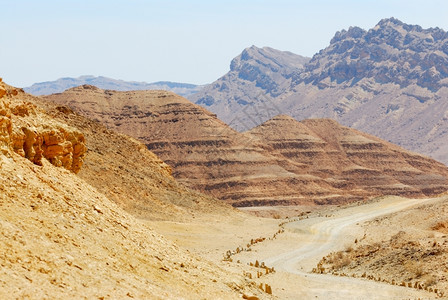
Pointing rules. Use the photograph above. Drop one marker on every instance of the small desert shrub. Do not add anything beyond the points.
(441, 227)
(430, 280)
(341, 261)
(276, 216)
(419, 271)
(415, 268)
(335, 257)
(348, 248)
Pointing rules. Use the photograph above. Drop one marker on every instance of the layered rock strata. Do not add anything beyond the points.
(282, 162)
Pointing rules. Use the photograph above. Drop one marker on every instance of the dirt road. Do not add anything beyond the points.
(315, 238)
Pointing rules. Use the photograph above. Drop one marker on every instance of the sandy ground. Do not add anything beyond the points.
(297, 250)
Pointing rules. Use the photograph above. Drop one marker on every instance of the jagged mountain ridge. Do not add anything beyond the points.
(391, 52)
(60, 85)
(273, 164)
(255, 74)
(389, 81)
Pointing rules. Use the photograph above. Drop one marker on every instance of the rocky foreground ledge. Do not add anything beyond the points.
(27, 131)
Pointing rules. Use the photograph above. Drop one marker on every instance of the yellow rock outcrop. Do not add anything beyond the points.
(30, 133)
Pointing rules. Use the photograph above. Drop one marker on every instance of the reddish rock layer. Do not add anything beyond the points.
(281, 162)
(352, 161)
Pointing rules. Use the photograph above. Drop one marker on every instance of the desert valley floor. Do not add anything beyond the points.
(294, 247)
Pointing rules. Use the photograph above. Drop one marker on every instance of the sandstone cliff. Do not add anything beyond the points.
(28, 132)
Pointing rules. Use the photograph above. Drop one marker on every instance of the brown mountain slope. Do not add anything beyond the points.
(61, 238)
(354, 162)
(253, 168)
(136, 178)
(127, 173)
(204, 152)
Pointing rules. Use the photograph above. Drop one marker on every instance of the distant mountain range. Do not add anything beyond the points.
(390, 81)
(60, 85)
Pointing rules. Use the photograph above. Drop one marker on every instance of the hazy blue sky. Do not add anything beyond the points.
(185, 41)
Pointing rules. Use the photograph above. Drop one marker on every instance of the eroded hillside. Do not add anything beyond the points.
(281, 162)
(204, 152)
(127, 173)
(62, 238)
(353, 162)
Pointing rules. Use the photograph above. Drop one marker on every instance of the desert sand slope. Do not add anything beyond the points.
(354, 162)
(62, 238)
(296, 252)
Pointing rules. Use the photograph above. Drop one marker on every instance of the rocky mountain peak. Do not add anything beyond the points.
(389, 81)
(247, 54)
(395, 24)
(256, 74)
(253, 59)
(352, 32)
(391, 52)
(401, 36)
(390, 22)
